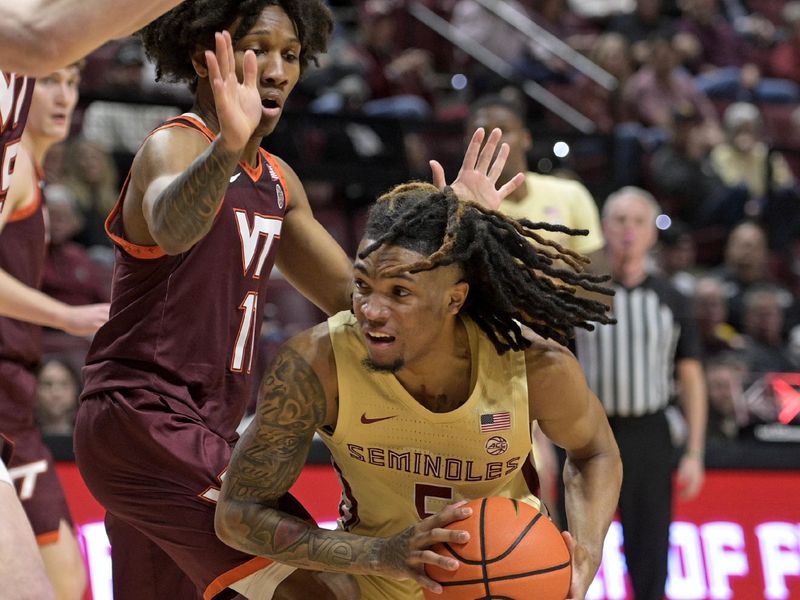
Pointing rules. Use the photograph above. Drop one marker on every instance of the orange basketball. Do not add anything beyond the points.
(514, 552)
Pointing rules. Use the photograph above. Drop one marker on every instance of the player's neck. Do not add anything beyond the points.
(36, 147)
(440, 380)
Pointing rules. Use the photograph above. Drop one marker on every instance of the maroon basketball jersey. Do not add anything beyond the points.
(186, 326)
(15, 101)
(22, 253)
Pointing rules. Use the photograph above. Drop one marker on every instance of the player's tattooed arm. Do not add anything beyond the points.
(265, 464)
(267, 461)
(184, 211)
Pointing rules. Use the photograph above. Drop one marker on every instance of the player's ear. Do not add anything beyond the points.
(199, 62)
(457, 297)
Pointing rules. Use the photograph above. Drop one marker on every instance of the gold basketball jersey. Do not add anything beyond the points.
(399, 462)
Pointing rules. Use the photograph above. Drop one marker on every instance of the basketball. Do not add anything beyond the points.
(515, 552)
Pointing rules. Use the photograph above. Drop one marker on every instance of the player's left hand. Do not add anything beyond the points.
(691, 474)
(477, 178)
(583, 568)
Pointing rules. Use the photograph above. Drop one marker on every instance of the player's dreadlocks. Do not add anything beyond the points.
(170, 40)
(511, 280)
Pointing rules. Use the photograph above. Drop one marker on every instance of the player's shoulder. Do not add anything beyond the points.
(546, 358)
(170, 147)
(21, 189)
(312, 341)
(313, 345)
(292, 179)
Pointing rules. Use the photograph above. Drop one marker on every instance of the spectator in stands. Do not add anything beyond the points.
(710, 306)
(57, 389)
(784, 61)
(722, 64)
(649, 98)
(677, 255)
(651, 93)
(639, 25)
(91, 176)
(612, 53)
(746, 265)
(744, 157)
(725, 378)
(399, 79)
(681, 177)
(763, 317)
(70, 273)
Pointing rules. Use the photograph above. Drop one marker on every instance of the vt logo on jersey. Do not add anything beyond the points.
(12, 94)
(10, 91)
(264, 228)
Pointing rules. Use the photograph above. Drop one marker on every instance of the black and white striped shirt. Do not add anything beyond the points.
(630, 365)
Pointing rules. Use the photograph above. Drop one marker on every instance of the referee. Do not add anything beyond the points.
(632, 367)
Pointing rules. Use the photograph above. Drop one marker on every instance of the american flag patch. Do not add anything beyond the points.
(495, 422)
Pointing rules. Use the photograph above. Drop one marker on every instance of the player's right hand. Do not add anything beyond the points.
(84, 320)
(238, 103)
(405, 555)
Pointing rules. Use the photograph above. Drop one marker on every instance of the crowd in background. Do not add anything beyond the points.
(705, 115)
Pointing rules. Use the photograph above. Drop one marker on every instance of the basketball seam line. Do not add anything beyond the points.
(484, 569)
(488, 561)
(505, 577)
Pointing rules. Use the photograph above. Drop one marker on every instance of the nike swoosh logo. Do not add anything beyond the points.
(235, 177)
(367, 421)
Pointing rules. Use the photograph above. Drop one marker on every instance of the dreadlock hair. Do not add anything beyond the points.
(512, 281)
(170, 40)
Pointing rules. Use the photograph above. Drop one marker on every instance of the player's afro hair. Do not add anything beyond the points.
(170, 40)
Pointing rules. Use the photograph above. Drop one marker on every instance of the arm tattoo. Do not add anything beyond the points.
(265, 464)
(186, 208)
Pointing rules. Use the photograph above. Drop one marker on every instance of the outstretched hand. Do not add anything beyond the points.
(238, 103)
(480, 170)
(405, 555)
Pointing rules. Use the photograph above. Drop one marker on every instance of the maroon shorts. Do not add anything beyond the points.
(157, 473)
(31, 464)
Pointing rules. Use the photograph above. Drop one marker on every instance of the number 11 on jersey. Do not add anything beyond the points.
(246, 338)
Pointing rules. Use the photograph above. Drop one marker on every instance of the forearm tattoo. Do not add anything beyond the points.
(186, 208)
(265, 464)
